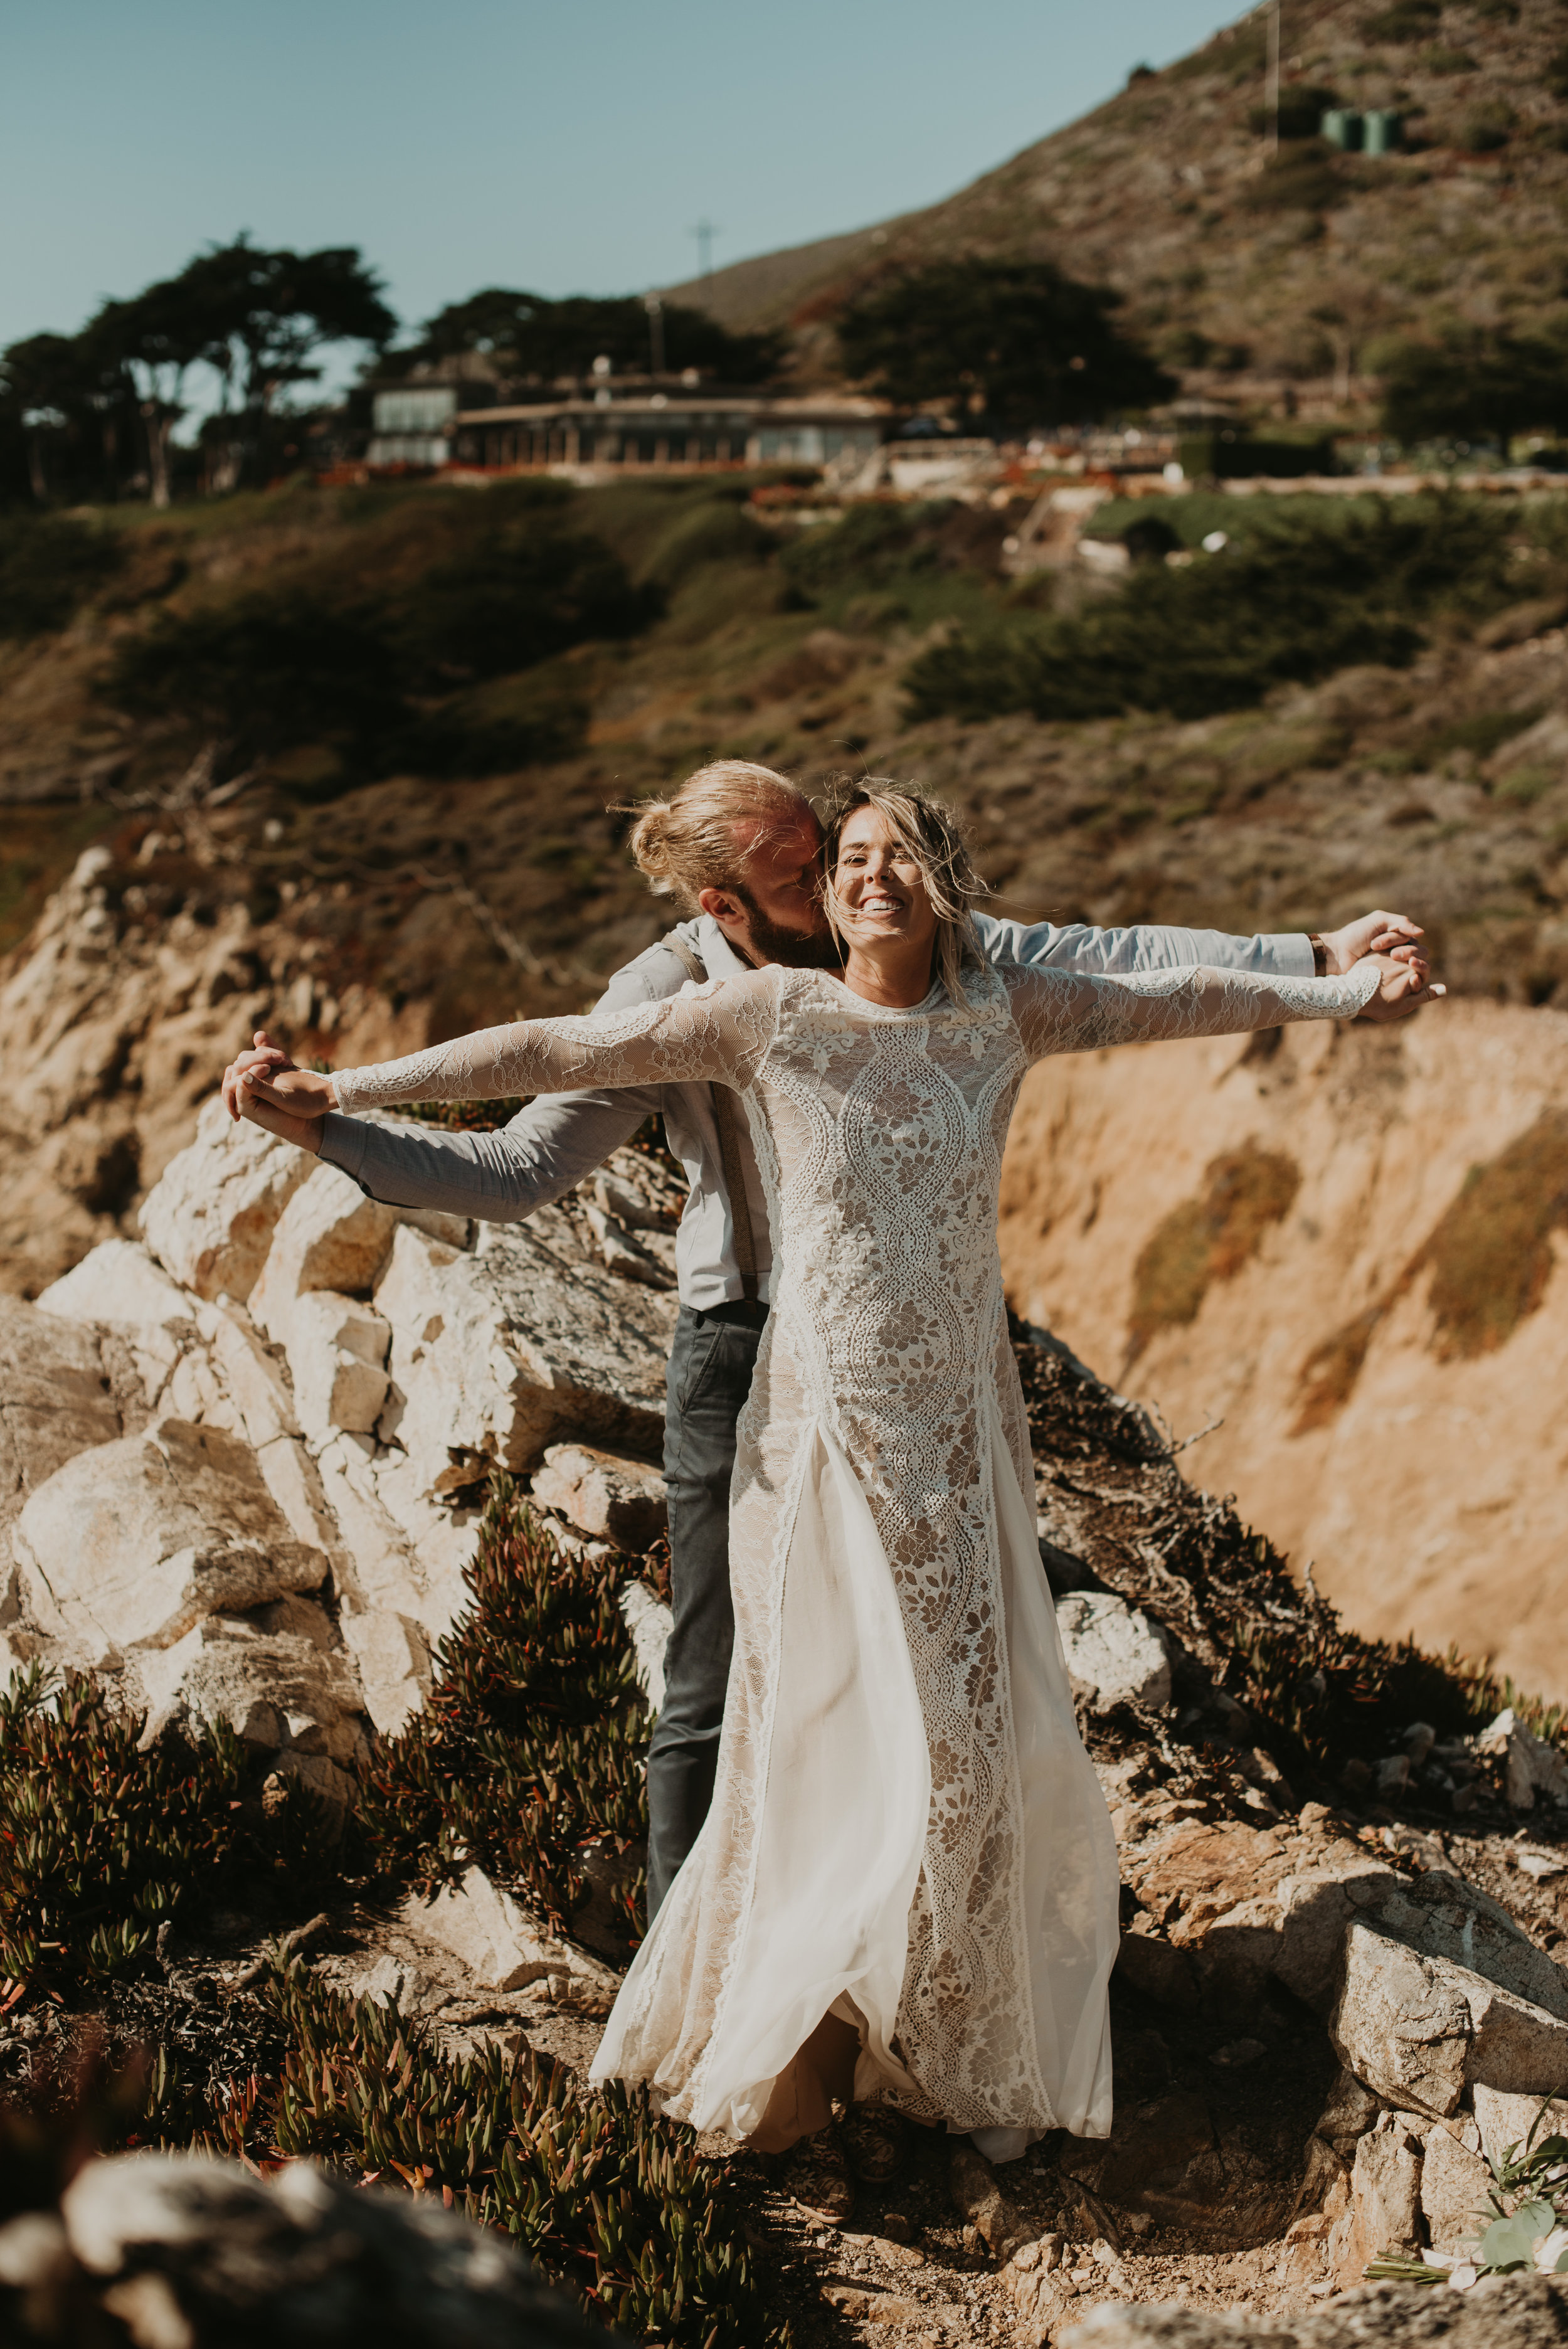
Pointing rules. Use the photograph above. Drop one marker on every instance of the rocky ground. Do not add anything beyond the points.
(243, 1456)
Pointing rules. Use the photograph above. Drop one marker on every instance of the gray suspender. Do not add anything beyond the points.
(729, 1142)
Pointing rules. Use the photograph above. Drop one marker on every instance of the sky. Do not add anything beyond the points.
(559, 147)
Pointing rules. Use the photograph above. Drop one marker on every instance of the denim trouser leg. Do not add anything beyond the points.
(711, 1365)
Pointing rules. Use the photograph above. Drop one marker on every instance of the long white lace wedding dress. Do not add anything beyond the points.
(905, 1829)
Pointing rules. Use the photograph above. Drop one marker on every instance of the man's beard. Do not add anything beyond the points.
(796, 949)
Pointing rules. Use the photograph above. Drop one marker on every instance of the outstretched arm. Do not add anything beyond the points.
(716, 1032)
(1162, 946)
(1059, 1012)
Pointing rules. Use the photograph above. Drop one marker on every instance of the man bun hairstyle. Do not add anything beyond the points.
(934, 836)
(687, 843)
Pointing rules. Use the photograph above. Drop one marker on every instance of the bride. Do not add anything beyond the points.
(906, 1887)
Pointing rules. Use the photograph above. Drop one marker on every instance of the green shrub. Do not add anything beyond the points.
(870, 547)
(1407, 20)
(48, 567)
(100, 1843)
(530, 1746)
(719, 529)
(1309, 599)
(525, 590)
(1207, 1239)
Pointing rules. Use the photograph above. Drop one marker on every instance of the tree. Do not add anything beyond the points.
(262, 315)
(155, 340)
(530, 336)
(1015, 343)
(44, 380)
(1477, 384)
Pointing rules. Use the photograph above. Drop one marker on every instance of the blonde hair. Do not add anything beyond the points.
(686, 843)
(934, 837)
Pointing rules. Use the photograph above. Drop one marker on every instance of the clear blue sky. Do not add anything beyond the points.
(564, 148)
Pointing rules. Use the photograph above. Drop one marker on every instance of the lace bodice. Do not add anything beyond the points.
(879, 1135)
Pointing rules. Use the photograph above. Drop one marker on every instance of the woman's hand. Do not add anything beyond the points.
(1403, 988)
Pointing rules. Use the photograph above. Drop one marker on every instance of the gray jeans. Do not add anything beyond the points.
(711, 1364)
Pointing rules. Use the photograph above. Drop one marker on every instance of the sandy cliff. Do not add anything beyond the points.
(1343, 1244)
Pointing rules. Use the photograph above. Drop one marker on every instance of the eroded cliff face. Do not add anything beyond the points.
(1341, 1243)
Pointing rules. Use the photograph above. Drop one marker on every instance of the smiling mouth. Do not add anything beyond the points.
(881, 906)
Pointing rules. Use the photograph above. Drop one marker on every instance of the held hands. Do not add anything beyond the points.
(1403, 988)
(264, 1087)
(1391, 939)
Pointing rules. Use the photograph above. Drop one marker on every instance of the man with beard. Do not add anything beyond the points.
(741, 845)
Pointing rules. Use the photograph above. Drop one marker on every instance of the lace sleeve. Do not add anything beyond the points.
(1062, 1011)
(718, 1032)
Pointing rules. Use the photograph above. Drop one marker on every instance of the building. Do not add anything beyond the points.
(689, 430)
(661, 422)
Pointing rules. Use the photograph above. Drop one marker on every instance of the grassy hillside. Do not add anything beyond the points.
(1236, 265)
(393, 720)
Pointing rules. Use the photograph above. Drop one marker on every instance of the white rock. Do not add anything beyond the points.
(1506, 2119)
(330, 1235)
(1113, 1650)
(119, 1282)
(210, 1217)
(293, 1480)
(253, 1379)
(604, 1497)
(1420, 2031)
(275, 1689)
(1455, 2183)
(336, 1350)
(498, 1946)
(55, 1399)
(650, 1623)
(393, 1660)
(142, 1538)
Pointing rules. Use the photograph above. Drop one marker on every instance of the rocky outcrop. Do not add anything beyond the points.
(240, 1459)
(177, 2250)
(1341, 1250)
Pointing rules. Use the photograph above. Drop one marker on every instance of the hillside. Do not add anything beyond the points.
(373, 885)
(1248, 273)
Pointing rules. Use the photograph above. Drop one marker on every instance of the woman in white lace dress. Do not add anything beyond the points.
(907, 1876)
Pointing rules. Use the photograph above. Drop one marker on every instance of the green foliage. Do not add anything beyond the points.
(610, 2199)
(529, 1745)
(371, 675)
(1207, 1239)
(1478, 383)
(1016, 342)
(531, 336)
(48, 568)
(100, 1843)
(1555, 76)
(1444, 60)
(717, 530)
(1491, 1252)
(870, 547)
(1407, 20)
(1306, 600)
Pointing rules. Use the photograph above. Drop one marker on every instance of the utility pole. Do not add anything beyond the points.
(705, 232)
(655, 310)
(1271, 83)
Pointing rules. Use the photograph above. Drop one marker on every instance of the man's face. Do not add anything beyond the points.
(774, 913)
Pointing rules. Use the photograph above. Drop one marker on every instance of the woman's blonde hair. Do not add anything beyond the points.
(686, 843)
(934, 837)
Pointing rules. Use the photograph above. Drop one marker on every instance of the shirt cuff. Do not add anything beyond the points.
(1292, 951)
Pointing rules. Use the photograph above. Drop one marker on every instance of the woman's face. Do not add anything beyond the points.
(880, 892)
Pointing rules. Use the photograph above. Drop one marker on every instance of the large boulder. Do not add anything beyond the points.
(603, 1495)
(209, 1218)
(1114, 1654)
(54, 1399)
(191, 2250)
(132, 1544)
(279, 1678)
(1420, 2030)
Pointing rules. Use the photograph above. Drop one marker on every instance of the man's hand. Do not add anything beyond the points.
(297, 1092)
(1379, 934)
(1404, 988)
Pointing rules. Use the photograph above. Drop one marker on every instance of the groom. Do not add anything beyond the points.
(741, 845)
